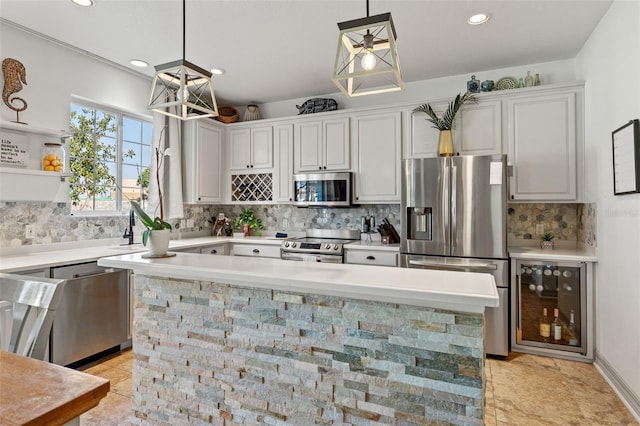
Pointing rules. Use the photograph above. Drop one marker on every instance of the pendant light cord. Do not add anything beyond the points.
(184, 26)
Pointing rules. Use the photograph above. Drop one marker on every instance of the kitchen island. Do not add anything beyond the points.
(246, 340)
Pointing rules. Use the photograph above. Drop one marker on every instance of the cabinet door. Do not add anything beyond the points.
(542, 147)
(422, 140)
(209, 160)
(377, 175)
(283, 180)
(479, 129)
(336, 144)
(201, 162)
(240, 149)
(308, 148)
(261, 148)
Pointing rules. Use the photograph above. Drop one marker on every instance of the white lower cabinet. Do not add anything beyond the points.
(256, 250)
(371, 257)
(377, 140)
(201, 162)
(216, 250)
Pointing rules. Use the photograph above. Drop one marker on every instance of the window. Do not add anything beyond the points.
(109, 150)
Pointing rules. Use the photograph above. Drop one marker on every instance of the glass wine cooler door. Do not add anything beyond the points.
(550, 305)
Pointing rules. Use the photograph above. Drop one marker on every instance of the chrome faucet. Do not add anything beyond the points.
(128, 233)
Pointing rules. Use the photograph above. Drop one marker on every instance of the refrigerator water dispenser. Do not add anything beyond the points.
(420, 223)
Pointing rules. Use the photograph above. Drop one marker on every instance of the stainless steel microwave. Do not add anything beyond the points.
(322, 189)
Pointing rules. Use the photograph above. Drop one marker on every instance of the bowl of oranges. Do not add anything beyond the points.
(53, 158)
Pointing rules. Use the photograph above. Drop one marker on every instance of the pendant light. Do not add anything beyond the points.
(367, 56)
(182, 89)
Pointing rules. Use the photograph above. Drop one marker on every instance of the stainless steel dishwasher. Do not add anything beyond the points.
(93, 315)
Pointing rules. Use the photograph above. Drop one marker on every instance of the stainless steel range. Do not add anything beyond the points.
(320, 245)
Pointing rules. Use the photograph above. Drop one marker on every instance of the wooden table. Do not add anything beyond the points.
(34, 392)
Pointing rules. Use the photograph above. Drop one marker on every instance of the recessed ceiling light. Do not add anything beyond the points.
(217, 71)
(138, 63)
(479, 18)
(84, 3)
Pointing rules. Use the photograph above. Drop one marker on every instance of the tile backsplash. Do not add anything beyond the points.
(54, 222)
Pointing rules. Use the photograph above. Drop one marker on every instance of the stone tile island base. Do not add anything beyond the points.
(212, 353)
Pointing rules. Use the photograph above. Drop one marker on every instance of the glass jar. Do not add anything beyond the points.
(53, 157)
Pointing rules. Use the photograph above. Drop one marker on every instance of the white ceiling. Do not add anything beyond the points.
(285, 49)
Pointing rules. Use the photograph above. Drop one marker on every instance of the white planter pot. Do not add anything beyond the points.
(159, 242)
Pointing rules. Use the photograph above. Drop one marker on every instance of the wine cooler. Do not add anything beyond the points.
(551, 309)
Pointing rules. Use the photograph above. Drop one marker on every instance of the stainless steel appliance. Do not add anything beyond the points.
(539, 285)
(322, 189)
(93, 315)
(320, 245)
(454, 217)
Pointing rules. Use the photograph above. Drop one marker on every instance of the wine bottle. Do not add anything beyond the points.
(545, 327)
(571, 331)
(556, 327)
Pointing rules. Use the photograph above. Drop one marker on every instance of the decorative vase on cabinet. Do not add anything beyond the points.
(445, 144)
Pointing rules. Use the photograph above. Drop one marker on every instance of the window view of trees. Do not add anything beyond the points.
(109, 157)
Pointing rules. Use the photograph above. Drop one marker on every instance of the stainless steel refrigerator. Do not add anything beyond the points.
(454, 217)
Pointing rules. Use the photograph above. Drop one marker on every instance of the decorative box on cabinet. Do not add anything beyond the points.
(544, 145)
(251, 148)
(376, 143)
(322, 145)
(201, 161)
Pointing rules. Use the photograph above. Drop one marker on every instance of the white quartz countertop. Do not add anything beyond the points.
(35, 257)
(577, 254)
(461, 291)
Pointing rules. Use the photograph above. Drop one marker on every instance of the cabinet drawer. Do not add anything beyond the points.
(256, 250)
(219, 250)
(379, 258)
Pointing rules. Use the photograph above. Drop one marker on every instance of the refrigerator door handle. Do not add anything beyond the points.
(453, 266)
(454, 180)
(446, 213)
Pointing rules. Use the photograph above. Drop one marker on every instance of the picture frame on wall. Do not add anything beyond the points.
(626, 158)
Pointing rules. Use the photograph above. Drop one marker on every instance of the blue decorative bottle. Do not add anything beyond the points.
(473, 85)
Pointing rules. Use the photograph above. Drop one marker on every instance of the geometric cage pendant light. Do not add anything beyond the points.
(367, 56)
(182, 89)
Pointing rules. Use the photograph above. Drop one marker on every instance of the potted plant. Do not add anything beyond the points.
(158, 231)
(247, 221)
(445, 123)
(547, 240)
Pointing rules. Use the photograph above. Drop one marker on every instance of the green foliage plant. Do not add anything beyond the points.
(446, 121)
(548, 236)
(249, 218)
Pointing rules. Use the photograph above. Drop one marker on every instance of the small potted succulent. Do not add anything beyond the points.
(547, 240)
(246, 222)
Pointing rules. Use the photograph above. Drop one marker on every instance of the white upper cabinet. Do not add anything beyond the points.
(542, 146)
(377, 139)
(322, 145)
(283, 173)
(251, 148)
(477, 130)
(202, 161)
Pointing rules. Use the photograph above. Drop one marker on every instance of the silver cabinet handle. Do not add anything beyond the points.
(214, 251)
(371, 258)
(256, 251)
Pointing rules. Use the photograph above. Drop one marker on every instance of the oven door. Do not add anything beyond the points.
(310, 257)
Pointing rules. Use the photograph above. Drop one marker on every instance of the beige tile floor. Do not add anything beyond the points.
(522, 390)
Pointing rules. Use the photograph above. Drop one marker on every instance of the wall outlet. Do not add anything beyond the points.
(29, 231)
(539, 228)
(285, 223)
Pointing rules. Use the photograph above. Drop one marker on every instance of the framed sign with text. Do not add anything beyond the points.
(14, 150)
(626, 158)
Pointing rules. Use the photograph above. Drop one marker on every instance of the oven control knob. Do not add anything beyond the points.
(327, 246)
(294, 245)
(286, 244)
(336, 247)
